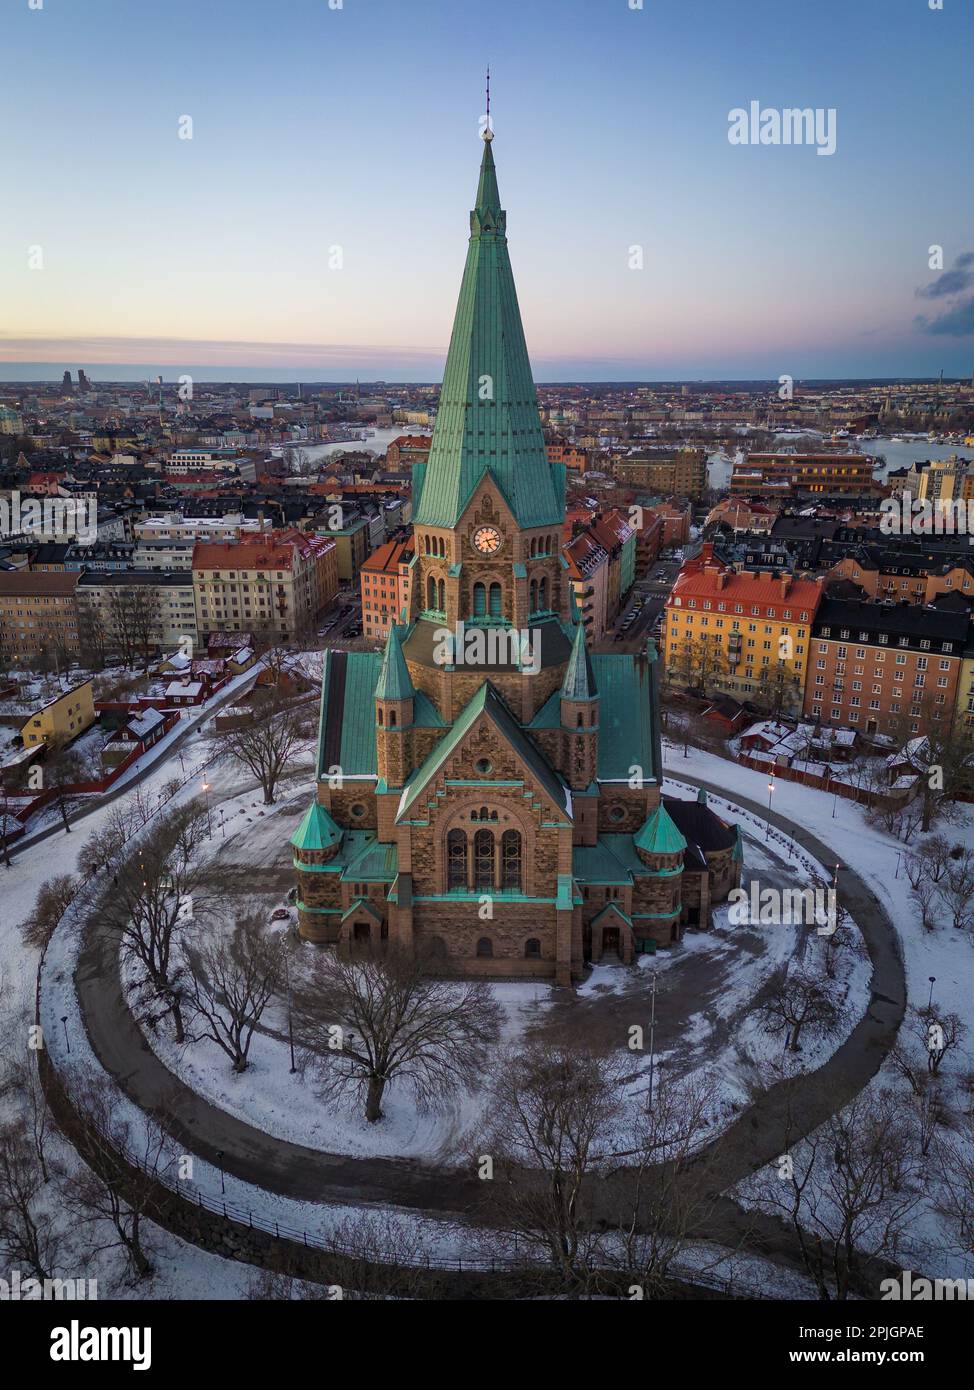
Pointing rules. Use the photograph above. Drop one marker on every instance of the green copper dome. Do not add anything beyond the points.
(487, 420)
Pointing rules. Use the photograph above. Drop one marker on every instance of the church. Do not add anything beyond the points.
(498, 803)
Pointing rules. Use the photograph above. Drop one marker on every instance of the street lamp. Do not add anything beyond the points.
(767, 835)
(206, 801)
(219, 1159)
(64, 1024)
(933, 981)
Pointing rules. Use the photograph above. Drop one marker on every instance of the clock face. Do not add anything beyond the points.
(487, 540)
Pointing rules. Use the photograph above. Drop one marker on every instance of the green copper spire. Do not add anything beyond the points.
(579, 682)
(394, 681)
(488, 419)
(317, 830)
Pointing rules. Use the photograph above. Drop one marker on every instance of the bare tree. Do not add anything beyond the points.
(265, 745)
(152, 897)
(28, 1233)
(116, 1187)
(233, 979)
(553, 1114)
(668, 1196)
(54, 897)
(955, 1190)
(395, 1022)
(846, 1192)
(956, 891)
(798, 1001)
(372, 1257)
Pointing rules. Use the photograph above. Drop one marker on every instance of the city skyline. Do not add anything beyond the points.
(218, 253)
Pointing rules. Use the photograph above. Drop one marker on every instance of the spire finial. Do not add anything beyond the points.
(488, 133)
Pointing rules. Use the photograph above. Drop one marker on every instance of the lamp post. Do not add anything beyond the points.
(652, 1040)
(767, 834)
(219, 1159)
(933, 981)
(287, 978)
(206, 802)
(64, 1025)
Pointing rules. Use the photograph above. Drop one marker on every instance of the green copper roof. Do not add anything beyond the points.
(394, 681)
(659, 834)
(487, 420)
(317, 830)
(579, 682)
(486, 701)
(629, 733)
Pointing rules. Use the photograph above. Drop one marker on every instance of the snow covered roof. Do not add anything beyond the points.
(145, 722)
(175, 688)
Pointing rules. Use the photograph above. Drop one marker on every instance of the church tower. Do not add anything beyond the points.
(487, 786)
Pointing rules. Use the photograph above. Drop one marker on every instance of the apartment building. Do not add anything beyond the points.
(676, 472)
(786, 475)
(745, 633)
(277, 584)
(384, 580)
(588, 574)
(141, 610)
(174, 526)
(38, 613)
(877, 666)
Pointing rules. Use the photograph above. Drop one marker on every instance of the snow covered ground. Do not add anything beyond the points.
(945, 954)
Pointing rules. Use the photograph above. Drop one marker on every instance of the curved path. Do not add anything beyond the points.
(756, 1138)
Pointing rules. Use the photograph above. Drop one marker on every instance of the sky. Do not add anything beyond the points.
(316, 222)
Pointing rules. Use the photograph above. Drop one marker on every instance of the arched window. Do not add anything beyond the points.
(392, 719)
(441, 594)
(581, 721)
(532, 948)
(496, 601)
(479, 600)
(534, 596)
(456, 860)
(543, 596)
(380, 716)
(483, 861)
(437, 948)
(485, 947)
(534, 547)
(511, 861)
(431, 593)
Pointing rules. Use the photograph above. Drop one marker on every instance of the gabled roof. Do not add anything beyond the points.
(487, 702)
(499, 432)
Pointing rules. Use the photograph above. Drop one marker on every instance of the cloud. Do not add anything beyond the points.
(956, 322)
(950, 282)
